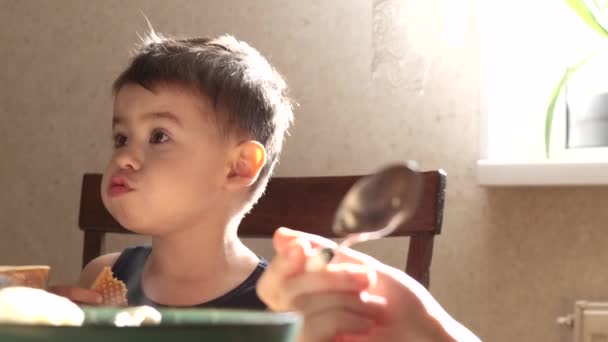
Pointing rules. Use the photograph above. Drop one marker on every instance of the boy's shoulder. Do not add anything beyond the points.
(94, 267)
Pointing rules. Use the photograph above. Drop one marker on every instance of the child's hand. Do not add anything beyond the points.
(391, 307)
(82, 293)
(78, 295)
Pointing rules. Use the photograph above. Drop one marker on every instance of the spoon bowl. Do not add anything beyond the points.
(375, 206)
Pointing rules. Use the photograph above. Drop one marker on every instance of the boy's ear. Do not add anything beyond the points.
(245, 164)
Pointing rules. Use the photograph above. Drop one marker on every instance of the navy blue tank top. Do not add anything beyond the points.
(130, 264)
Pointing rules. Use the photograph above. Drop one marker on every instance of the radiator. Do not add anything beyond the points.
(589, 320)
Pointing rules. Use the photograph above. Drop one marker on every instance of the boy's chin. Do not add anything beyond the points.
(132, 223)
(141, 228)
(138, 230)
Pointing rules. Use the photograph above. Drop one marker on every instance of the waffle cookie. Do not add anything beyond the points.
(114, 291)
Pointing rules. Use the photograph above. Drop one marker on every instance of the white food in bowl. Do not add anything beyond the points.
(137, 316)
(25, 305)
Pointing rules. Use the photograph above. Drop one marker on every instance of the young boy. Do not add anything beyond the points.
(198, 126)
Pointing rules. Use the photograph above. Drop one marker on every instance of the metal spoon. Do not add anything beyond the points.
(374, 207)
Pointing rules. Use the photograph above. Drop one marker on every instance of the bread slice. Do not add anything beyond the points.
(35, 276)
(114, 291)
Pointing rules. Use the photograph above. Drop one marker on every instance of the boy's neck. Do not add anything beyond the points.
(196, 265)
(200, 252)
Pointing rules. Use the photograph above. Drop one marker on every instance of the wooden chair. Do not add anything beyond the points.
(302, 203)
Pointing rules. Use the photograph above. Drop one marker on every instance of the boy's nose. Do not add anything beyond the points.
(128, 158)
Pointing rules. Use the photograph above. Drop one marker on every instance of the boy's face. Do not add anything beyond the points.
(168, 165)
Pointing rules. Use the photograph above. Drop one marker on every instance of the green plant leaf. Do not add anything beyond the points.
(591, 13)
(553, 100)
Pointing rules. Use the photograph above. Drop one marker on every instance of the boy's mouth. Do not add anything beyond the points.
(118, 186)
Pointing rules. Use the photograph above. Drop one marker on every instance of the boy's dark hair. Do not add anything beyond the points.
(249, 96)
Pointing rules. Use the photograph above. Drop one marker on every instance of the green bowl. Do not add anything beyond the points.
(177, 325)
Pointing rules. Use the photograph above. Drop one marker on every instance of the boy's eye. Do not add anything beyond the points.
(119, 140)
(158, 137)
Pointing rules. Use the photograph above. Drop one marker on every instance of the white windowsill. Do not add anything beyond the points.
(541, 173)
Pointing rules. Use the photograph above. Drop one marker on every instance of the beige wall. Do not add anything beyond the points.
(376, 82)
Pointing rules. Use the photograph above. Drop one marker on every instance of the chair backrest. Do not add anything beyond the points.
(303, 203)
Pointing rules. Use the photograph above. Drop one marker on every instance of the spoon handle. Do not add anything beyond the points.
(320, 259)
(324, 255)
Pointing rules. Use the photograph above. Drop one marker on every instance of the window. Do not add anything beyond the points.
(526, 46)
